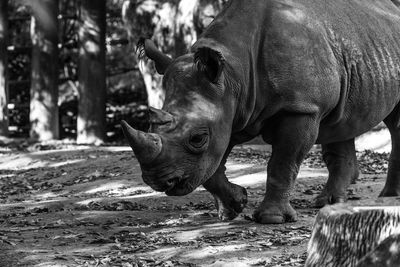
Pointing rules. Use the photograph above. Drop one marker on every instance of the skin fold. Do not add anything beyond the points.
(295, 72)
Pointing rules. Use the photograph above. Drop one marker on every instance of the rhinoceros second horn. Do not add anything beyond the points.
(146, 146)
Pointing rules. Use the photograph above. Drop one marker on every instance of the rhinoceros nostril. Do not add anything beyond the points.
(171, 182)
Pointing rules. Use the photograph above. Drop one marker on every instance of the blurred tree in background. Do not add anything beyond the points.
(96, 73)
(43, 115)
(3, 68)
(92, 72)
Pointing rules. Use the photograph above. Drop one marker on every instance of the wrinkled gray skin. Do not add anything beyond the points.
(295, 72)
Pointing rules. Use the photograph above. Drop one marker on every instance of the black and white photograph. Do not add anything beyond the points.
(163, 133)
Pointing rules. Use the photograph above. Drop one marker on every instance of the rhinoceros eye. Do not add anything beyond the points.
(198, 140)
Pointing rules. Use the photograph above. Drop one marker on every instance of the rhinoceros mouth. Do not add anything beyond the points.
(172, 183)
(180, 189)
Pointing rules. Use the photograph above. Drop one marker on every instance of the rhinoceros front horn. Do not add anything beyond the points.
(146, 146)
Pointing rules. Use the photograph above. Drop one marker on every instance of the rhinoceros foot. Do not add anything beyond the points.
(273, 212)
(328, 198)
(230, 204)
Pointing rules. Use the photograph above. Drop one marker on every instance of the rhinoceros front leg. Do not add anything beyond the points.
(230, 199)
(293, 138)
(340, 158)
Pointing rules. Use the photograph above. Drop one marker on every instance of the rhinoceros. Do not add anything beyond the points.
(296, 72)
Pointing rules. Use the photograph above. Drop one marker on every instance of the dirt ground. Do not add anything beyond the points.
(87, 206)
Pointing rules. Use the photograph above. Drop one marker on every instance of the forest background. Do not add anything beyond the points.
(68, 68)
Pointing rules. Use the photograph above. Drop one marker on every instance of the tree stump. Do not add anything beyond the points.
(345, 233)
(386, 254)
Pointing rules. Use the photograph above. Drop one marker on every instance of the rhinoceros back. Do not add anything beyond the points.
(339, 57)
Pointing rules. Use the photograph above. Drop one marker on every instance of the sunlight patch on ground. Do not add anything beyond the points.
(88, 200)
(37, 202)
(255, 179)
(113, 186)
(24, 161)
(50, 264)
(149, 192)
(130, 191)
(196, 254)
(219, 226)
(115, 148)
(94, 214)
(34, 203)
(250, 179)
(146, 195)
(124, 190)
(188, 235)
(174, 222)
(91, 250)
(7, 176)
(45, 195)
(28, 161)
(210, 250)
(19, 162)
(192, 234)
(67, 162)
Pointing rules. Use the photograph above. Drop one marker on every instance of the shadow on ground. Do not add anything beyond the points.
(89, 207)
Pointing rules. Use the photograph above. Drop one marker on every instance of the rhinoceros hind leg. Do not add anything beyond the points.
(230, 199)
(392, 185)
(341, 161)
(271, 213)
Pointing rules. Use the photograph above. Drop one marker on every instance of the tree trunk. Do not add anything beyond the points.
(155, 93)
(344, 234)
(3, 68)
(92, 73)
(44, 74)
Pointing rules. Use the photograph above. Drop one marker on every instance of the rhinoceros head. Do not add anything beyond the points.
(188, 137)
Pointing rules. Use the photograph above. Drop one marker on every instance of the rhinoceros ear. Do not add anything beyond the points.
(210, 62)
(147, 48)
